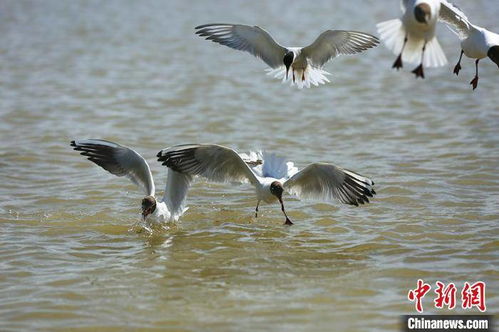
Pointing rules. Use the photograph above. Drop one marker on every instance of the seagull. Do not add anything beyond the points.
(305, 62)
(269, 174)
(476, 42)
(412, 36)
(123, 161)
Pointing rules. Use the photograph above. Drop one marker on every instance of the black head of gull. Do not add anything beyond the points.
(422, 12)
(493, 54)
(288, 60)
(276, 189)
(148, 206)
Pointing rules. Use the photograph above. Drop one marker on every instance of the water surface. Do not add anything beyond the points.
(135, 73)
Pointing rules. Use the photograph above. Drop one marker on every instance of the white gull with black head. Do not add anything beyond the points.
(123, 161)
(412, 37)
(302, 66)
(476, 42)
(269, 174)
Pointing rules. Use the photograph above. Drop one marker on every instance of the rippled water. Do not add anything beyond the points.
(135, 73)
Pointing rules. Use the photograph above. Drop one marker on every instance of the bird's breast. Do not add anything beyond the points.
(474, 46)
(161, 214)
(300, 63)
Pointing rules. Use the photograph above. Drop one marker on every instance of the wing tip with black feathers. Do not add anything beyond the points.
(100, 154)
(180, 160)
(357, 189)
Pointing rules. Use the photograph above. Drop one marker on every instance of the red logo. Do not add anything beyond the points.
(445, 295)
(418, 294)
(471, 295)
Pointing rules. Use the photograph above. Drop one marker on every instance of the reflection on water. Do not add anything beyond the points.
(136, 73)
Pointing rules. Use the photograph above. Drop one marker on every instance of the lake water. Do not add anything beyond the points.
(135, 73)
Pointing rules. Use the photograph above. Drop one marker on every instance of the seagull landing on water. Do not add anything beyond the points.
(301, 65)
(123, 161)
(269, 174)
(476, 42)
(412, 37)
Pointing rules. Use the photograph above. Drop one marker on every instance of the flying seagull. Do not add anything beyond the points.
(123, 161)
(301, 65)
(269, 174)
(412, 37)
(476, 42)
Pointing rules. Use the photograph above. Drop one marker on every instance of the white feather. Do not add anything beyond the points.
(434, 56)
(392, 34)
(277, 167)
(313, 76)
(175, 196)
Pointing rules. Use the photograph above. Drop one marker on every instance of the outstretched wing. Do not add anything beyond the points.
(455, 19)
(118, 160)
(254, 40)
(177, 185)
(327, 181)
(214, 162)
(332, 43)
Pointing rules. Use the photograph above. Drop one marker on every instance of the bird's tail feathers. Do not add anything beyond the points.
(311, 76)
(277, 167)
(434, 55)
(393, 33)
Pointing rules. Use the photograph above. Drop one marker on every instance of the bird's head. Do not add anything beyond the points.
(276, 189)
(422, 12)
(288, 60)
(148, 206)
(493, 54)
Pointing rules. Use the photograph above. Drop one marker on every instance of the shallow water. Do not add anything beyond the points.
(134, 72)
